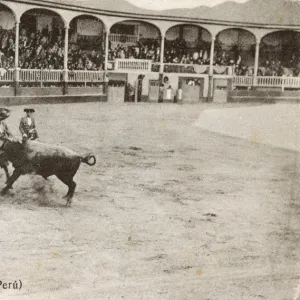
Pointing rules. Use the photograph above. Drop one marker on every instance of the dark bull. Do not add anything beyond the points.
(42, 159)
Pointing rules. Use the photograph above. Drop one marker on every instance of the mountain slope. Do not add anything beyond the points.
(279, 12)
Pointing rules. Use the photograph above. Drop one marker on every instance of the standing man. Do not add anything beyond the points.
(27, 125)
(5, 133)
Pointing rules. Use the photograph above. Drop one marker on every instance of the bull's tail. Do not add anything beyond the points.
(89, 159)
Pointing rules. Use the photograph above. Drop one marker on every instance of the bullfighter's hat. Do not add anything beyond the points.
(4, 113)
(29, 110)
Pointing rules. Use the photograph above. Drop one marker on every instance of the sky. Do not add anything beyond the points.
(169, 4)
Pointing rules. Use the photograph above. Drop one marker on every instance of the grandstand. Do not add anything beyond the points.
(64, 49)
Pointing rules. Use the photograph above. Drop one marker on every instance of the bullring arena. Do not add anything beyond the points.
(194, 120)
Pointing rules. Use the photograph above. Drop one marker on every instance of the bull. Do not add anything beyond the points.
(33, 157)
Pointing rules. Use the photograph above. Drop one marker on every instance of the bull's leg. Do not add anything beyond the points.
(68, 180)
(14, 177)
(5, 168)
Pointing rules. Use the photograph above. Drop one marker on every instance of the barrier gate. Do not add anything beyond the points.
(192, 89)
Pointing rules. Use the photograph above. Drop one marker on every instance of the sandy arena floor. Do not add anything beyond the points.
(184, 215)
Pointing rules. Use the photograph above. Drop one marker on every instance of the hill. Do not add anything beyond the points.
(275, 12)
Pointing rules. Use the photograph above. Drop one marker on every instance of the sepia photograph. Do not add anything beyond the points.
(149, 150)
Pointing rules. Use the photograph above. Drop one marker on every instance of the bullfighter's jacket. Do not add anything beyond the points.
(25, 127)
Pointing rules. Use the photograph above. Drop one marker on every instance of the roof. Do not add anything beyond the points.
(264, 12)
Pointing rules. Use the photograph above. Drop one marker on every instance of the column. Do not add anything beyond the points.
(211, 58)
(106, 76)
(17, 69)
(66, 48)
(106, 48)
(161, 69)
(162, 54)
(211, 68)
(66, 54)
(256, 61)
(17, 45)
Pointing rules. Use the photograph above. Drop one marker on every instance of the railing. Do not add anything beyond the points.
(242, 81)
(149, 66)
(270, 81)
(185, 68)
(6, 75)
(276, 81)
(86, 76)
(292, 82)
(28, 75)
(133, 65)
(267, 81)
(197, 69)
(137, 65)
(123, 38)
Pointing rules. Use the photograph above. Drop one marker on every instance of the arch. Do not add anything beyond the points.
(137, 21)
(41, 43)
(10, 10)
(196, 35)
(189, 24)
(134, 39)
(280, 46)
(235, 46)
(274, 31)
(45, 10)
(92, 33)
(234, 38)
(82, 16)
(89, 16)
(187, 43)
(238, 28)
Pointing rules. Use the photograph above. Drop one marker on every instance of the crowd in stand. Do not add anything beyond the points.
(275, 67)
(45, 50)
(176, 52)
(78, 60)
(7, 48)
(143, 49)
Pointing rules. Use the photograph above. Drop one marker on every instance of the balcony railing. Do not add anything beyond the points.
(6, 75)
(28, 75)
(95, 77)
(86, 76)
(243, 81)
(186, 68)
(267, 81)
(133, 65)
(197, 69)
(123, 38)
